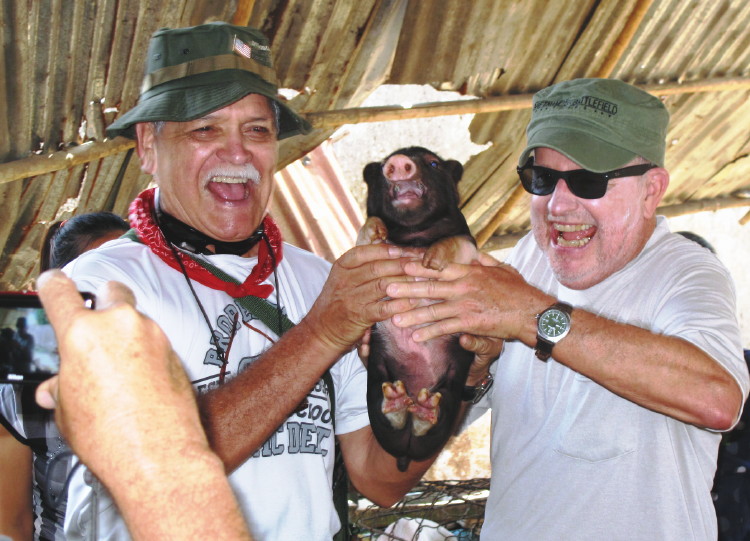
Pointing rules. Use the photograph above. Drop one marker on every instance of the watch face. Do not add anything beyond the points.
(554, 324)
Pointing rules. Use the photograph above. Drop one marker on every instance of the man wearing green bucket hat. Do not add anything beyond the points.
(623, 361)
(206, 261)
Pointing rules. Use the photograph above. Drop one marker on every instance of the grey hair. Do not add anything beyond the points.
(158, 125)
(276, 115)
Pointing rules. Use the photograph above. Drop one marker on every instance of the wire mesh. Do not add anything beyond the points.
(445, 509)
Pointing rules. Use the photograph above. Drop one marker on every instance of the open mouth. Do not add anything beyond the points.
(405, 191)
(573, 235)
(229, 188)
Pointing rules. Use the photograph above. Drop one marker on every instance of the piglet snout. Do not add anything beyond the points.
(400, 167)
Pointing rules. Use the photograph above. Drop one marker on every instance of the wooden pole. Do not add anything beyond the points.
(625, 37)
(338, 117)
(49, 163)
(485, 234)
(703, 205)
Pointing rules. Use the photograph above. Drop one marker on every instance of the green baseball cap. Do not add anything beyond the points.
(601, 124)
(193, 71)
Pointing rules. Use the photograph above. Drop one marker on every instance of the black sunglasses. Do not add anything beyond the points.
(582, 183)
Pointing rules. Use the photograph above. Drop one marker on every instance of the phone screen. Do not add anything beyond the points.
(28, 349)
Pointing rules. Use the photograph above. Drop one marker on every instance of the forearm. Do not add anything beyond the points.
(241, 415)
(189, 479)
(659, 372)
(478, 374)
(373, 471)
(663, 373)
(16, 520)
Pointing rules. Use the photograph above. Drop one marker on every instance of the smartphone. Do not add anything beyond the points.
(28, 349)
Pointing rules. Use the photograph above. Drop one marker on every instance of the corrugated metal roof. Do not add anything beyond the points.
(70, 67)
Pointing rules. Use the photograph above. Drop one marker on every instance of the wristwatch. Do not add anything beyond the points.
(552, 325)
(474, 394)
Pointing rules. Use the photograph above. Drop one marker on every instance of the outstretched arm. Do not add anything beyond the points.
(270, 388)
(351, 301)
(663, 373)
(159, 441)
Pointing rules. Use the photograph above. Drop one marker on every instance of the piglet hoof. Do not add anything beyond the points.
(425, 412)
(436, 257)
(373, 232)
(396, 404)
(459, 249)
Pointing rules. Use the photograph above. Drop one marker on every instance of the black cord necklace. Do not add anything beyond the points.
(180, 235)
(222, 354)
(220, 351)
(191, 240)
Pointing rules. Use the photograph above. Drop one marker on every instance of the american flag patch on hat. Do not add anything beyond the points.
(240, 47)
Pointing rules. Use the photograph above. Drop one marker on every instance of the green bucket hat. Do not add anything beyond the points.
(601, 124)
(193, 71)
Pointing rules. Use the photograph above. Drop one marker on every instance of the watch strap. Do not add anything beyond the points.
(474, 393)
(544, 347)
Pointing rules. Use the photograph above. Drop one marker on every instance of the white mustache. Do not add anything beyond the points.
(240, 172)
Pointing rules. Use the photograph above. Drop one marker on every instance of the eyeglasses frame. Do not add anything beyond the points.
(629, 171)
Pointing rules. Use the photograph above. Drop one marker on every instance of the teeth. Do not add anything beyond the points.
(573, 243)
(570, 228)
(229, 180)
(567, 228)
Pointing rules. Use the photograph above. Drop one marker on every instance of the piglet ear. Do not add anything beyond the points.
(455, 169)
(372, 172)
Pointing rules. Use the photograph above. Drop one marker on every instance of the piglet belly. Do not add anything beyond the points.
(422, 365)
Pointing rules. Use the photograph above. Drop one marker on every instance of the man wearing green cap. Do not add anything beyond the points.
(207, 263)
(623, 360)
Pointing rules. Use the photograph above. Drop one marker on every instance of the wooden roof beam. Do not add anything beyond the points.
(87, 152)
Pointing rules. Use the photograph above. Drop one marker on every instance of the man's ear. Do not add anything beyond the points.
(657, 181)
(145, 145)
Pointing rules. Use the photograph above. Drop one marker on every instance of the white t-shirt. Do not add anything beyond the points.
(570, 459)
(284, 490)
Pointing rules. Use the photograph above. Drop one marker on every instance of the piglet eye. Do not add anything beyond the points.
(434, 163)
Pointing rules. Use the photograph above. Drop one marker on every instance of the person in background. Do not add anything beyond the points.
(35, 460)
(623, 362)
(67, 239)
(25, 341)
(697, 239)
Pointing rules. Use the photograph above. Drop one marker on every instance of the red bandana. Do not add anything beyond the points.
(142, 220)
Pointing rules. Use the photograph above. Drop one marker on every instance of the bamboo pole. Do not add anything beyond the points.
(337, 117)
(703, 205)
(56, 161)
(626, 36)
(39, 165)
(514, 198)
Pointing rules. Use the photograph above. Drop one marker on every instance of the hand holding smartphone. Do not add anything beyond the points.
(28, 349)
